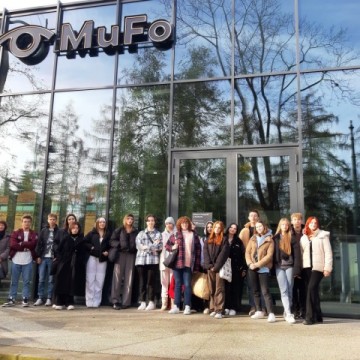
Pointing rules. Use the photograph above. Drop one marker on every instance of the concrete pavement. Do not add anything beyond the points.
(39, 332)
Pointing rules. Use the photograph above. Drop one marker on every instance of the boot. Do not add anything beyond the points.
(164, 305)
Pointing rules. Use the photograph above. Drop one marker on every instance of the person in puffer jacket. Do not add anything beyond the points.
(259, 258)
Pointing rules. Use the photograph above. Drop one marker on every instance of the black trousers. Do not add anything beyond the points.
(234, 291)
(299, 296)
(260, 282)
(312, 284)
(147, 277)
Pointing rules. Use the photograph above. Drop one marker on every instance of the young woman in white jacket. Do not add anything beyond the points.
(317, 263)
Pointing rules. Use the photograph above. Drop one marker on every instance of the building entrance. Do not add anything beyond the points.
(228, 183)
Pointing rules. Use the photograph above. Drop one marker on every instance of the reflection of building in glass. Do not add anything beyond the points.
(248, 108)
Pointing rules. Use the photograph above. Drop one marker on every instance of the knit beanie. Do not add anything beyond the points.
(170, 220)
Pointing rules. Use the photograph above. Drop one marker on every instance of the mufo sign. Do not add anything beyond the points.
(31, 43)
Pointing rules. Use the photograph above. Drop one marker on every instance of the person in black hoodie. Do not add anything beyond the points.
(216, 252)
(97, 244)
(44, 253)
(65, 252)
(123, 240)
(234, 289)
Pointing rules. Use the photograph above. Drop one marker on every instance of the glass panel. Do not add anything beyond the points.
(202, 114)
(329, 35)
(79, 156)
(264, 36)
(23, 128)
(202, 187)
(87, 71)
(266, 110)
(148, 64)
(331, 145)
(20, 77)
(203, 39)
(263, 184)
(140, 160)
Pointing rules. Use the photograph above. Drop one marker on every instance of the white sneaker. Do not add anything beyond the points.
(71, 307)
(53, 306)
(226, 311)
(271, 318)
(212, 314)
(207, 311)
(187, 310)
(174, 310)
(218, 316)
(258, 315)
(142, 306)
(290, 319)
(59, 307)
(48, 302)
(232, 312)
(38, 302)
(151, 306)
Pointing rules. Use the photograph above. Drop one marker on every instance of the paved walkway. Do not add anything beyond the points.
(130, 334)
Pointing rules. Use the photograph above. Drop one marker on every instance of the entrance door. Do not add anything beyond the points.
(229, 183)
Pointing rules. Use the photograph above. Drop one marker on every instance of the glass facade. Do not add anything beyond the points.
(252, 105)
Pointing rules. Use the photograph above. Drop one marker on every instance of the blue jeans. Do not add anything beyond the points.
(44, 270)
(182, 277)
(26, 271)
(286, 282)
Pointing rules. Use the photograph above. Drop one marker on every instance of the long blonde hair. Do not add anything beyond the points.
(285, 238)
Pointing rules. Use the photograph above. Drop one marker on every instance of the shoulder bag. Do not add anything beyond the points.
(225, 272)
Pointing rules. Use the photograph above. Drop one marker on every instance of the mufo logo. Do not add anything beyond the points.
(28, 43)
(31, 43)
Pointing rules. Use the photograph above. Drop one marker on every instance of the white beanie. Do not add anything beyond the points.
(170, 220)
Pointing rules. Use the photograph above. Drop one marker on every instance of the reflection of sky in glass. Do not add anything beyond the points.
(87, 105)
(47, 20)
(271, 100)
(154, 10)
(265, 36)
(87, 71)
(20, 76)
(203, 25)
(20, 139)
(332, 16)
(340, 97)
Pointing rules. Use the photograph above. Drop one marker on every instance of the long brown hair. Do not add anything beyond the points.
(217, 239)
(285, 238)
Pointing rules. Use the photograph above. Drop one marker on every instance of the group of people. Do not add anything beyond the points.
(299, 255)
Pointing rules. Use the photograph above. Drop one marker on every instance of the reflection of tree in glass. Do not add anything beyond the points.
(141, 141)
(265, 42)
(23, 122)
(97, 161)
(65, 162)
(202, 187)
(199, 110)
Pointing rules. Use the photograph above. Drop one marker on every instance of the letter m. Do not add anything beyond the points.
(70, 42)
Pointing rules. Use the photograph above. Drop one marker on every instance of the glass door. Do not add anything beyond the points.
(229, 183)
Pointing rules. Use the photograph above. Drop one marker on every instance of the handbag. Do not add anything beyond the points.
(170, 260)
(200, 285)
(225, 272)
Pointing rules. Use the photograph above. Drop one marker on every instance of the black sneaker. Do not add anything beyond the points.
(117, 306)
(9, 303)
(25, 302)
